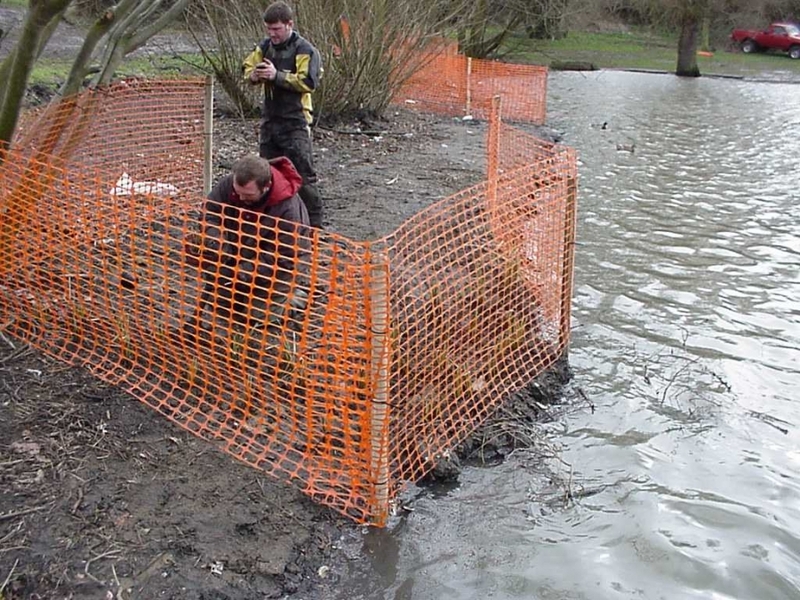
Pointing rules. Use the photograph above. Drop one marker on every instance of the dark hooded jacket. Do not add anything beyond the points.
(287, 100)
(265, 238)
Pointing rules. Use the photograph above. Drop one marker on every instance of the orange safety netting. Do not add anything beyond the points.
(452, 84)
(344, 367)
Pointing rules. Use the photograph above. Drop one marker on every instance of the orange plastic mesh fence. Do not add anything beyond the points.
(344, 367)
(212, 333)
(452, 84)
(480, 294)
(149, 130)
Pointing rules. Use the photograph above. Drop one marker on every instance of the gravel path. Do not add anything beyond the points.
(67, 39)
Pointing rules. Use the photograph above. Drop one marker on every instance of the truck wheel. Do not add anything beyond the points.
(749, 46)
(794, 52)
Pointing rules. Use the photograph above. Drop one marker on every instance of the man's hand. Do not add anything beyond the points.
(264, 71)
(197, 250)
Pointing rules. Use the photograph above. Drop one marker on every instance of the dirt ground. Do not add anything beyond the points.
(100, 497)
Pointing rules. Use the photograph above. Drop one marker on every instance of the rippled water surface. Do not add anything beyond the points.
(686, 339)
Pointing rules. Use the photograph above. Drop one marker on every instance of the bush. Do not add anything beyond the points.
(369, 48)
(226, 31)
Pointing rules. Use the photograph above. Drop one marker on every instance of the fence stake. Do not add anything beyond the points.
(208, 133)
(567, 267)
(468, 107)
(379, 310)
(493, 165)
(493, 142)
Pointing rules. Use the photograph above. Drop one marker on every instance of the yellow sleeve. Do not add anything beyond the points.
(303, 80)
(250, 62)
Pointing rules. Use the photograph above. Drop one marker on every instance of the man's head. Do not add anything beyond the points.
(279, 21)
(252, 177)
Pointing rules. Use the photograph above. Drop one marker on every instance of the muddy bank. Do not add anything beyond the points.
(102, 498)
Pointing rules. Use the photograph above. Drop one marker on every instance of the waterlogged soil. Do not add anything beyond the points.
(100, 497)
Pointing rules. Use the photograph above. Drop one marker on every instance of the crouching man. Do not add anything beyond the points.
(255, 229)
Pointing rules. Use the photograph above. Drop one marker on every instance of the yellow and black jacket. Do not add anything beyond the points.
(287, 100)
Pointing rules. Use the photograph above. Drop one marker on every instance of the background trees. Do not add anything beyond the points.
(369, 46)
(720, 18)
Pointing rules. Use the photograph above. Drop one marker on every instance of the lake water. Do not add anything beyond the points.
(684, 481)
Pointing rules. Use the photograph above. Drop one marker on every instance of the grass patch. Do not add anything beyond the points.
(53, 73)
(15, 3)
(162, 66)
(49, 73)
(640, 50)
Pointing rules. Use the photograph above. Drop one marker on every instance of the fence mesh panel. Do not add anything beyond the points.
(452, 84)
(347, 372)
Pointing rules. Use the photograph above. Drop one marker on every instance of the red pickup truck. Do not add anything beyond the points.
(778, 36)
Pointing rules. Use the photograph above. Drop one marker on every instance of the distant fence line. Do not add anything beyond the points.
(452, 84)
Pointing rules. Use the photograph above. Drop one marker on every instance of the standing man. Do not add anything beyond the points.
(289, 68)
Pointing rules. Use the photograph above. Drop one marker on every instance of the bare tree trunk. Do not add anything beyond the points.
(687, 46)
(40, 15)
(47, 33)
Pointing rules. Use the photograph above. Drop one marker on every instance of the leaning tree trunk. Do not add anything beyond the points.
(16, 70)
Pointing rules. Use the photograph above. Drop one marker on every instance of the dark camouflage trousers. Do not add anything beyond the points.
(295, 144)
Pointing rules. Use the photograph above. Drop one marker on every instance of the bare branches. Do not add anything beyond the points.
(120, 29)
(370, 47)
(22, 513)
(98, 31)
(132, 31)
(235, 27)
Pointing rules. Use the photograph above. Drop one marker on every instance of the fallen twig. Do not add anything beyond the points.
(11, 533)
(12, 393)
(23, 350)
(367, 132)
(20, 513)
(8, 577)
(77, 504)
(770, 420)
(106, 554)
(6, 340)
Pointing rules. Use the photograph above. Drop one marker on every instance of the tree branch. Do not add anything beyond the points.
(99, 30)
(165, 19)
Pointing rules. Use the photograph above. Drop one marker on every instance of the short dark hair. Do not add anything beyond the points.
(278, 12)
(252, 168)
